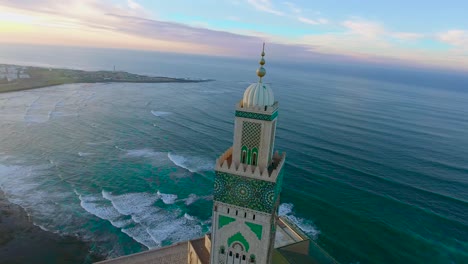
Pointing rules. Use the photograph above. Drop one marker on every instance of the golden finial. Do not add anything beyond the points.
(261, 71)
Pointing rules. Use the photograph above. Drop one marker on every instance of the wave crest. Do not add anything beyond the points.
(307, 226)
(192, 164)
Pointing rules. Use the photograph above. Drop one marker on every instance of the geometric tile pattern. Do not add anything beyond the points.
(257, 115)
(251, 134)
(246, 192)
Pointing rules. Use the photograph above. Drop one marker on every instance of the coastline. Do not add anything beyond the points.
(18, 78)
(23, 242)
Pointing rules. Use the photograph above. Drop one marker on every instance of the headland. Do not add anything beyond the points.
(17, 78)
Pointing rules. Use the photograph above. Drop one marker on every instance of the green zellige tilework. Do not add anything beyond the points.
(224, 220)
(257, 229)
(238, 237)
(257, 116)
(246, 192)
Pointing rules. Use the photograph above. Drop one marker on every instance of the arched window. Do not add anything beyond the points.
(254, 157)
(230, 253)
(243, 257)
(237, 255)
(244, 154)
(221, 250)
(253, 217)
(252, 258)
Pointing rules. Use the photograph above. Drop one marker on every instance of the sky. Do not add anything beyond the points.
(430, 33)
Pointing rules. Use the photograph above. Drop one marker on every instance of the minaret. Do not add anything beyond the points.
(248, 182)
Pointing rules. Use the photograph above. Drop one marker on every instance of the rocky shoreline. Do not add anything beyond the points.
(23, 242)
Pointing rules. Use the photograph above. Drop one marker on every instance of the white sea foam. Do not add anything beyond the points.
(175, 229)
(192, 164)
(191, 199)
(141, 235)
(28, 187)
(97, 206)
(84, 154)
(160, 113)
(167, 198)
(43, 228)
(307, 226)
(153, 225)
(189, 217)
(130, 203)
(145, 153)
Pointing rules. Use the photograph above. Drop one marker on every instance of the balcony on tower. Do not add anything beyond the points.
(225, 164)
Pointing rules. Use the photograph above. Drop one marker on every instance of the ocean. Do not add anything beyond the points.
(377, 157)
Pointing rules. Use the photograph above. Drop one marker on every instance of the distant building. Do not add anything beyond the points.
(245, 228)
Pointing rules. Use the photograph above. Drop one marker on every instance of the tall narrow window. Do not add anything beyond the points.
(253, 217)
(228, 210)
(244, 156)
(254, 158)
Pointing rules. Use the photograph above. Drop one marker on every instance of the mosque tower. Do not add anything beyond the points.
(248, 182)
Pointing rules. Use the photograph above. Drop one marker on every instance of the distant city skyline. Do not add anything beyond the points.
(431, 33)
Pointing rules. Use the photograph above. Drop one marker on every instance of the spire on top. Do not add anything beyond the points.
(261, 71)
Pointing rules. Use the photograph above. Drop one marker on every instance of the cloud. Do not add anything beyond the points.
(265, 6)
(407, 36)
(90, 22)
(319, 21)
(134, 5)
(372, 41)
(375, 30)
(105, 24)
(293, 7)
(365, 29)
(455, 37)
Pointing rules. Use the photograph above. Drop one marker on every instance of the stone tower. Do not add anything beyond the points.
(248, 182)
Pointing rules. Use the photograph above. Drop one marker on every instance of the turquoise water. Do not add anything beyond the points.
(377, 166)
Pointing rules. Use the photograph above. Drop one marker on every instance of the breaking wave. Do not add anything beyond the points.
(143, 153)
(167, 198)
(148, 224)
(192, 164)
(189, 217)
(191, 199)
(307, 226)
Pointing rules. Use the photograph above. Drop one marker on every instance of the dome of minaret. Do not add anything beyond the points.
(259, 94)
